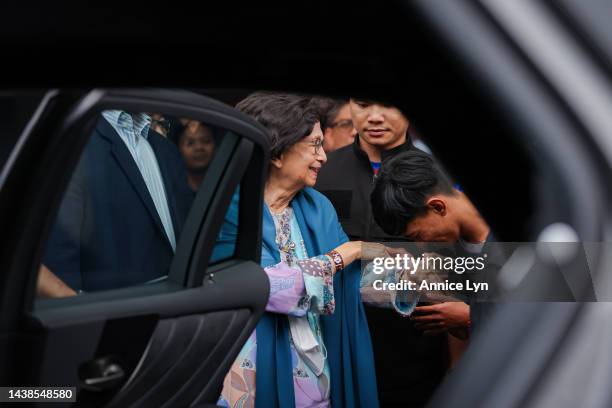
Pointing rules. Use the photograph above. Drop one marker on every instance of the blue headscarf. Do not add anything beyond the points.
(345, 333)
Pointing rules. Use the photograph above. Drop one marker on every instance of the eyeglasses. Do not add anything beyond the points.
(317, 144)
(345, 124)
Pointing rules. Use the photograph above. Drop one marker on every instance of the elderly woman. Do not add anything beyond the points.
(312, 346)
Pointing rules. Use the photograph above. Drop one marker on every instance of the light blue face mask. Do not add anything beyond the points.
(310, 351)
(405, 301)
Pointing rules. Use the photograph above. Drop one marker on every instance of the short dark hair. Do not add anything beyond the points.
(288, 118)
(402, 188)
(329, 109)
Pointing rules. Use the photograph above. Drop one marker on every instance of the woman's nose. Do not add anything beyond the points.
(322, 156)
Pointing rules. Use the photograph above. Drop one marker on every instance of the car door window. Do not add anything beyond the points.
(127, 201)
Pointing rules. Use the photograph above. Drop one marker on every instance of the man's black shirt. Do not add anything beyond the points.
(347, 180)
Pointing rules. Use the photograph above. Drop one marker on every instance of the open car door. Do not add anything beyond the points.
(162, 331)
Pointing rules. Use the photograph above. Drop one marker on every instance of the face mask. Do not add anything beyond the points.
(306, 344)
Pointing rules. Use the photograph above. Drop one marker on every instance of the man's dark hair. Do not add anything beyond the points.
(288, 118)
(329, 109)
(402, 188)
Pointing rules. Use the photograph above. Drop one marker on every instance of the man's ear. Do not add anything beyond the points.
(437, 205)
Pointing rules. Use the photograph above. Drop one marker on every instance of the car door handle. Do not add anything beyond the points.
(111, 375)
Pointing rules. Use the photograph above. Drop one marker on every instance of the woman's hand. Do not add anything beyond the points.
(354, 250)
(350, 251)
(371, 250)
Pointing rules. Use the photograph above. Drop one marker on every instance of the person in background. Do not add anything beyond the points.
(197, 146)
(337, 124)
(312, 347)
(409, 365)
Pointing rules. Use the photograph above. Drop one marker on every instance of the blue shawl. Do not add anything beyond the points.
(345, 333)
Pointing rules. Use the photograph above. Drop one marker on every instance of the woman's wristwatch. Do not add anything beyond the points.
(336, 259)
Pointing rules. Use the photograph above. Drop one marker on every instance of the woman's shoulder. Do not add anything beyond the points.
(318, 199)
(316, 211)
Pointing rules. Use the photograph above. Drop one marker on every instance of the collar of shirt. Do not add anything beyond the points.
(134, 124)
(385, 154)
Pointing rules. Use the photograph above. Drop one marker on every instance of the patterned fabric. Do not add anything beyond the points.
(134, 131)
(300, 287)
(319, 282)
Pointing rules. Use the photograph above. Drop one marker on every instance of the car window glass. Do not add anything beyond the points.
(124, 210)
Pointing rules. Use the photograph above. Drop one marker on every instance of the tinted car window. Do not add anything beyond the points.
(125, 207)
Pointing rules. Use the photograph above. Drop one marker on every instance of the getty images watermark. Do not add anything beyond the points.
(418, 268)
(401, 274)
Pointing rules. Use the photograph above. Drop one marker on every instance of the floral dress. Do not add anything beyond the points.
(300, 287)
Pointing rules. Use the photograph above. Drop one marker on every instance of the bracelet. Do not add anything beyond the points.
(337, 258)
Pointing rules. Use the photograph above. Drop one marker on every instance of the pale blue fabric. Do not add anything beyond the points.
(133, 129)
(315, 289)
